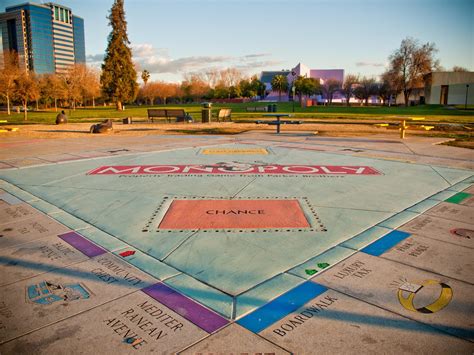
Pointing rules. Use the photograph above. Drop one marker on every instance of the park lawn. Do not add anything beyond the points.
(435, 113)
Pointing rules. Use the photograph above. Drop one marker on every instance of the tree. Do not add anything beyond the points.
(149, 92)
(330, 87)
(92, 84)
(365, 89)
(411, 62)
(145, 76)
(119, 77)
(457, 68)
(348, 87)
(73, 81)
(165, 90)
(26, 89)
(8, 75)
(194, 87)
(279, 83)
(389, 86)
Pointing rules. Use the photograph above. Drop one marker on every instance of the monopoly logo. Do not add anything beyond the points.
(235, 168)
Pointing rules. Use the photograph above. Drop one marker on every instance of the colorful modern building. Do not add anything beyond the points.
(47, 37)
(299, 70)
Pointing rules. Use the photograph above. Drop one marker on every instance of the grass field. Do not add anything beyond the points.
(434, 113)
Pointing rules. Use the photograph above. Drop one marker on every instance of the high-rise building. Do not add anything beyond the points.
(47, 37)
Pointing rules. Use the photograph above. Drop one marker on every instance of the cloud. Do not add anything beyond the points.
(94, 58)
(369, 64)
(159, 61)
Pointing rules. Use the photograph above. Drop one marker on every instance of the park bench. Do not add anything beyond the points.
(179, 114)
(223, 114)
(257, 109)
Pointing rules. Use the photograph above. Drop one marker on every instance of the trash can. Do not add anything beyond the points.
(274, 108)
(127, 120)
(206, 112)
(269, 108)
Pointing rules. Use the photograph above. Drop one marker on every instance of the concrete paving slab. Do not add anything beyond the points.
(4, 165)
(132, 323)
(443, 195)
(144, 262)
(204, 294)
(423, 206)
(62, 293)
(366, 237)
(15, 213)
(470, 190)
(35, 258)
(44, 207)
(433, 299)
(261, 294)
(435, 256)
(234, 339)
(103, 239)
(462, 198)
(55, 158)
(398, 219)
(454, 212)
(17, 192)
(9, 199)
(191, 310)
(441, 229)
(321, 262)
(28, 230)
(336, 323)
(19, 163)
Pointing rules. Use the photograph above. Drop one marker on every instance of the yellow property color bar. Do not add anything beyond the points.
(228, 151)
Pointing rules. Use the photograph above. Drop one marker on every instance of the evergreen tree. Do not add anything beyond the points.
(119, 77)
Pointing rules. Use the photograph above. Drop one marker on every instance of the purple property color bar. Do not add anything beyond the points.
(82, 244)
(184, 306)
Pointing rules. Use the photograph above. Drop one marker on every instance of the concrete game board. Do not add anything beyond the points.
(250, 244)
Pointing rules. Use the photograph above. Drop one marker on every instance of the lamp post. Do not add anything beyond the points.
(293, 89)
(465, 102)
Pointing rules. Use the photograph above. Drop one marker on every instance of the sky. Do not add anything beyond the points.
(172, 38)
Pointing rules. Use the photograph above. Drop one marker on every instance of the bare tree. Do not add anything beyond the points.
(8, 75)
(457, 68)
(73, 83)
(348, 87)
(330, 87)
(365, 89)
(411, 62)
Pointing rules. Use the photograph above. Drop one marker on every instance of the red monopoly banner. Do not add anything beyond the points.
(234, 168)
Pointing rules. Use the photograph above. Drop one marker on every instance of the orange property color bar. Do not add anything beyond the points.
(245, 214)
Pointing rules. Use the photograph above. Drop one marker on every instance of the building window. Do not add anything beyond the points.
(56, 13)
(61, 15)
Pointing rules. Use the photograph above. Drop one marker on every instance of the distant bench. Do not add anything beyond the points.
(257, 109)
(179, 114)
(223, 114)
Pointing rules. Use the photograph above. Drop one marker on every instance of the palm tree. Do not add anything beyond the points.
(145, 76)
(279, 83)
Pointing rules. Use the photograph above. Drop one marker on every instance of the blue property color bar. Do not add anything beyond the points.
(388, 241)
(281, 306)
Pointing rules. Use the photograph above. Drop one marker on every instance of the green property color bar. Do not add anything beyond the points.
(458, 198)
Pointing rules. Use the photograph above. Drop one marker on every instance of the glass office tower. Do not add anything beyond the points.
(45, 36)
